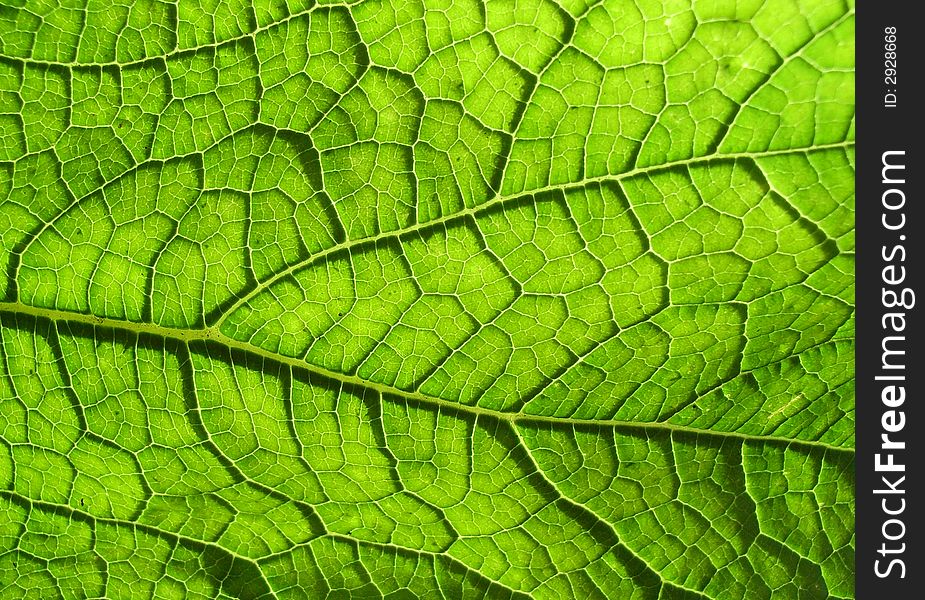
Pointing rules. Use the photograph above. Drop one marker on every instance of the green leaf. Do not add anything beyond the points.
(431, 298)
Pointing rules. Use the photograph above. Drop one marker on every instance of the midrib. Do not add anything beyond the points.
(212, 334)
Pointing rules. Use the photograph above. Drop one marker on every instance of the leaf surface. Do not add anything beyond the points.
(436, 299)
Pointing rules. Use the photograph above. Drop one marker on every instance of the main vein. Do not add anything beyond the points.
(212, 334)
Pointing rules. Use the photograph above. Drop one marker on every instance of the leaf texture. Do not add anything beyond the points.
(427, 299)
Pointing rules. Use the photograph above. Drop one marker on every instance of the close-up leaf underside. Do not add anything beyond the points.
(427, 299)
